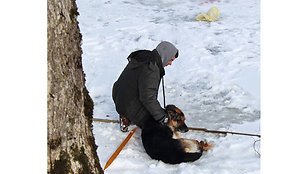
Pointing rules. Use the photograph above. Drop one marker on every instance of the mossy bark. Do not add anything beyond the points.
(71, 144)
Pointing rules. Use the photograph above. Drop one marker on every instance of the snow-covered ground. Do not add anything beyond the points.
(215, 80)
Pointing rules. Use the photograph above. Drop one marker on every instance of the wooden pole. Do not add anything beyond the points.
(191, 128)
(105, 120)
(222, 132)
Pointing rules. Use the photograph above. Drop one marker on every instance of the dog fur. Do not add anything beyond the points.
(163, 142)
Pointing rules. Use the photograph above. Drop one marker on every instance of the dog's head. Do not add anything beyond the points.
(176, 119)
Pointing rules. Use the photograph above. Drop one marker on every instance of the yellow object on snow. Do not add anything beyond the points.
(212, 15)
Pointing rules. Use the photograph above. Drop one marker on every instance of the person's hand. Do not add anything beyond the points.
(164, 120)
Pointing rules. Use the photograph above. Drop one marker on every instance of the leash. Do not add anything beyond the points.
(164, 92)
(116, 153)
(222, 132)
(191, 128)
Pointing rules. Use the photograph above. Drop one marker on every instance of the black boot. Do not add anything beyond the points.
(124, 123)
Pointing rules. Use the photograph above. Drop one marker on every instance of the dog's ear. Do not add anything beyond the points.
(169, 107)
(169, 111)
(172, 114)
(172, 110)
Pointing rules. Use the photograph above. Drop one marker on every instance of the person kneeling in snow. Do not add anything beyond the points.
(135, 92)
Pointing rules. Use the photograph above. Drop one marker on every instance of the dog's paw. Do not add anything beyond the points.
(206, 146)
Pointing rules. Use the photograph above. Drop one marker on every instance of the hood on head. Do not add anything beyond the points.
(166, 51)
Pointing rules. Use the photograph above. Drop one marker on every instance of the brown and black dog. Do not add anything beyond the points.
(163, 142)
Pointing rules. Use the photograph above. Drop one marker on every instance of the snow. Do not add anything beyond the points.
(215, 80)
(231, 153)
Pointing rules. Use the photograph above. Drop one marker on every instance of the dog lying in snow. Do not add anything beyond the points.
(163, 142)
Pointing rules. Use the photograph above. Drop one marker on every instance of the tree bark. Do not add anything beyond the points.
(71, 144)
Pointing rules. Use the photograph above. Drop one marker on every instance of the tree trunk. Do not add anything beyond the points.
(71, 144)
